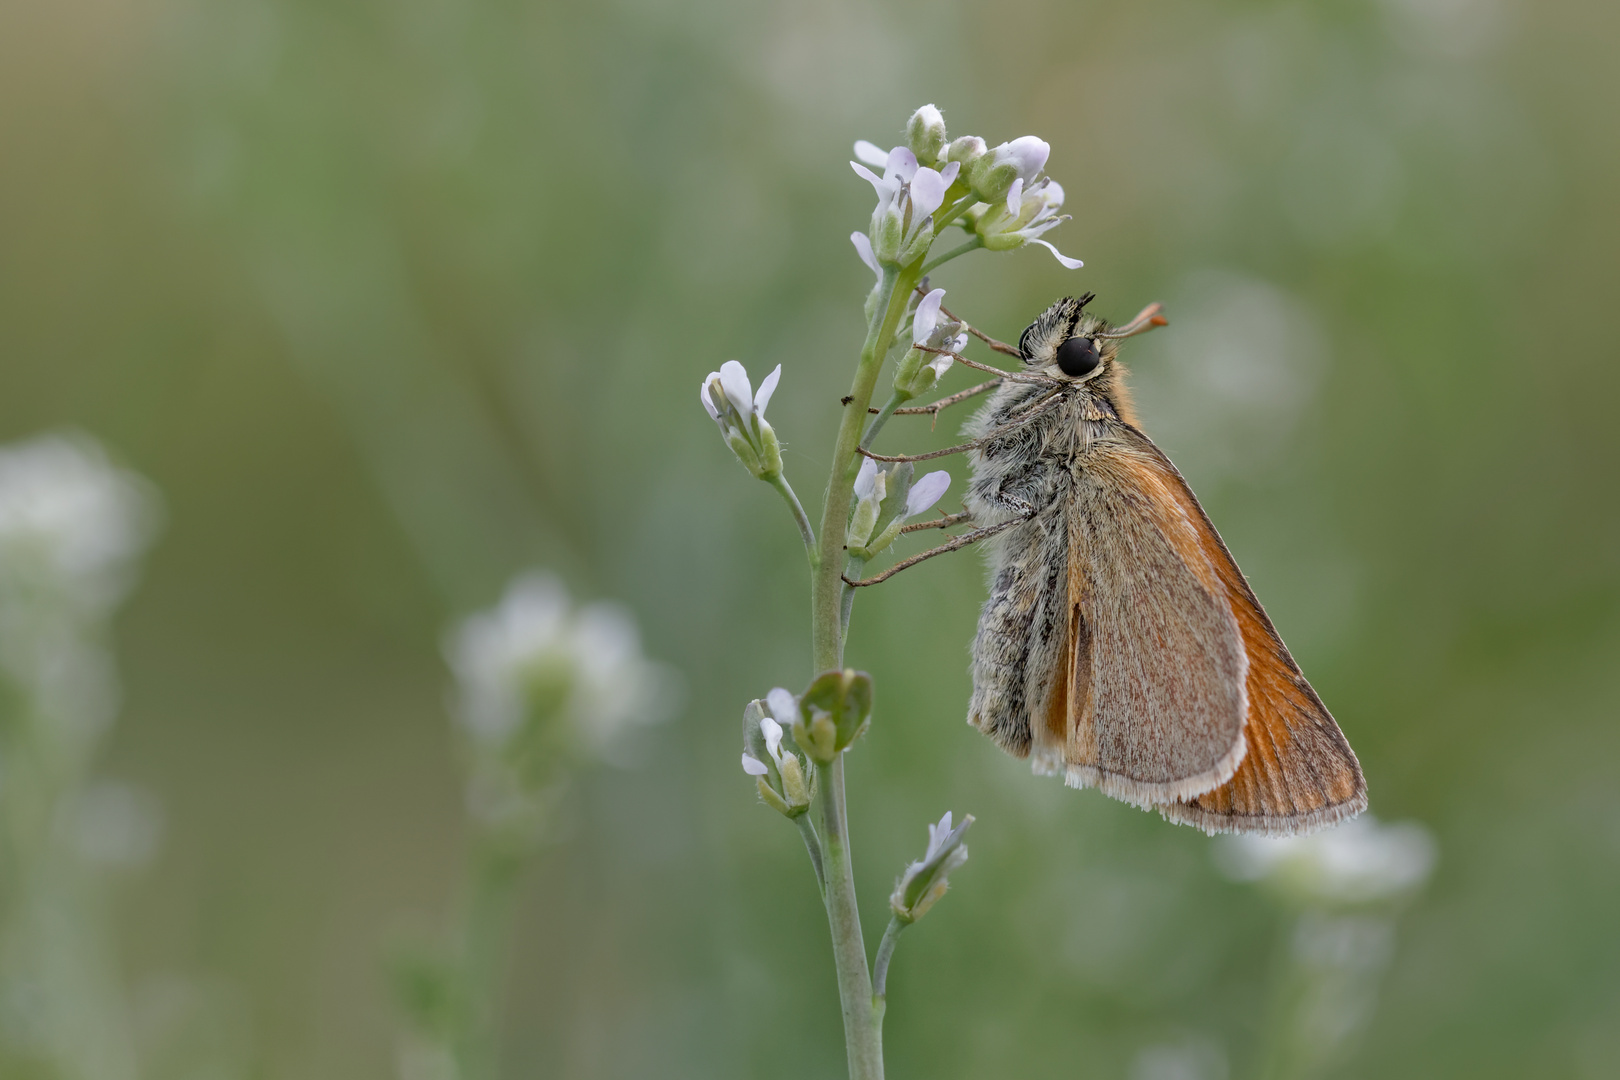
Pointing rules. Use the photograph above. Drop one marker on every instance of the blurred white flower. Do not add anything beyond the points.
(118, 824)
(1193, 1059)
(71, 528)
(731, 402)
(70, 521)
(1359, 861)
(535, 658)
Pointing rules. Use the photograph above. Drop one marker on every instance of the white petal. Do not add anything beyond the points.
(1015, 196)
(942, 364)
(865, 478)
(927, 193)
(863, 248)
(926, 318)
(734, 377)
(949, 173)
(783, 705)
(773, 736)
(753, 766)
(901, 164)
(870, 177)
(703, 396)
(1052, 192)
(871, 153)
(1030, 153)
(1072, 264)
(926, 492)
(766, 389)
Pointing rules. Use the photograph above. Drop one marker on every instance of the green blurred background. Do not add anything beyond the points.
(391, 300)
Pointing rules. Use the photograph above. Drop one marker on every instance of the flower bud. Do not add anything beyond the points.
(991, 176)
(833, 713)
(731, 403)
(925, 881)
(925, 134)
(966, 150)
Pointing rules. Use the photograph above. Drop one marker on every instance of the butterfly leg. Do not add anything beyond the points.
(935, 408)
(952, 545)
(944, 521)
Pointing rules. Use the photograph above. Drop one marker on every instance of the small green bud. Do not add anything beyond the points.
(833, 713)
(967, 150)
(925, 134)
(926, 880)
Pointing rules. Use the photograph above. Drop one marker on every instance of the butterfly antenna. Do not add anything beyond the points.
(1145, 320)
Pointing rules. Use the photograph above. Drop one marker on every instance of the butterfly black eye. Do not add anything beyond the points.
(1078, 356)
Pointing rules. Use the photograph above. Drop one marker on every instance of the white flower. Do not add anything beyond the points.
(786, 788)
(919, 370)
(871, 488)
(1030, 210)
(1357, 862)
(884, 498)
(732, 404)
(535, 658)
(908, 195)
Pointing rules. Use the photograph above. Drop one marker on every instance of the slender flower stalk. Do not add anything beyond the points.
(794, 745)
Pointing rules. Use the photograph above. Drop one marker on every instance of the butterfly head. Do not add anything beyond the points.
(1067, 344)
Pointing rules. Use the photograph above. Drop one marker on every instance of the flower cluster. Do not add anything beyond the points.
(785, 780)
(1000, 193)
(885, 497)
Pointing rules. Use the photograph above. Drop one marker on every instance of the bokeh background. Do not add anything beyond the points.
(392, 300)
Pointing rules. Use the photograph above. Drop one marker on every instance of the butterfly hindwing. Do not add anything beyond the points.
(1299, 772)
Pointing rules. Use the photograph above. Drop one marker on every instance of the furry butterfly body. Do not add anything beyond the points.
(1121, 648)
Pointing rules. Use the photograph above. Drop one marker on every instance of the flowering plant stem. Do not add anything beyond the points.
(863, 1034)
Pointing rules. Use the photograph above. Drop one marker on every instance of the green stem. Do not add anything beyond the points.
(943, 219)
(885, 953)
(972, 245)
(896, 400)
(485, 936)
(812, 844)
(863, 1035)
(799, 517)
(826, 592)
(863, 1038)
(852, 570)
